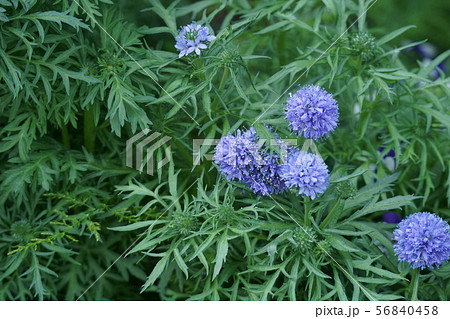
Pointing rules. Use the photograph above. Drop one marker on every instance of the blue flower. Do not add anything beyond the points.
(306, 171)
(391, 217)
(239, 158)
(312, 112)
(423, 240)
(236, 155)
(193, 38)
(264, 177)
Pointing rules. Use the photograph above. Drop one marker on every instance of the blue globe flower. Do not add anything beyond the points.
(236, 155)
(239, 158)
(307, 172)
(312, 112)
(193, 38)
(264, 177)
(423, 240)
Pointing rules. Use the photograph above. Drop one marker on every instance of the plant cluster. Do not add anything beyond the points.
(77, 79)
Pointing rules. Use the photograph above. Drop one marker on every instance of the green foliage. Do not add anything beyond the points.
(77, 81)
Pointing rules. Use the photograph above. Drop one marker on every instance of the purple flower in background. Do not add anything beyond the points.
(388, 159)
(312, 112)
(193, 38)
(391, 217)
(423, 240)
(307, 172)
(435, 73)
(426, 50)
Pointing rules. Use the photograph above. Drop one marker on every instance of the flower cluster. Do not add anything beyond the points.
(312, 112)
(239, 158)
(423, 240)
(193, 38)
(265, 178)
(236, 154)
(307, 172)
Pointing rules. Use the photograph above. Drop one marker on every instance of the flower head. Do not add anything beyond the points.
(240, 158)
(423, 240)
(193, 38)
(264, 177)
(236, 155)
(306, 171)
(312, 112)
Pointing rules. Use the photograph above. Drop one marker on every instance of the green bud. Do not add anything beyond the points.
(346, 189)
(322, 248)
(22, 230)
(226, 214)
(362, 44)
(184, 222)
(304, 238)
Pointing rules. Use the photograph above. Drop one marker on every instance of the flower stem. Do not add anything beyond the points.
(414, 284)
(65, 135)
(221, 87)
(331, 214)
(307, 203)
(89, 127)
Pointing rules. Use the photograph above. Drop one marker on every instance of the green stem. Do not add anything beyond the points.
(221, 87)
(198, 64)
(414, 284)
(331, 214)
(65, 135)
(307, 204)
(89, 128)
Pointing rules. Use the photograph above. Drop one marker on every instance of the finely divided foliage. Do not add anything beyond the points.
(255, 226)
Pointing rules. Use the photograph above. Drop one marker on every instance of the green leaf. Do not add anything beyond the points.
(13, 263)
(385, 205)
(347, 177)
(157, 271)
(365, 265)
(340, 243)
(180, 262)
(388, 37)
(312, 268)
(134, 226)
(222, 251)
(58, 17)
